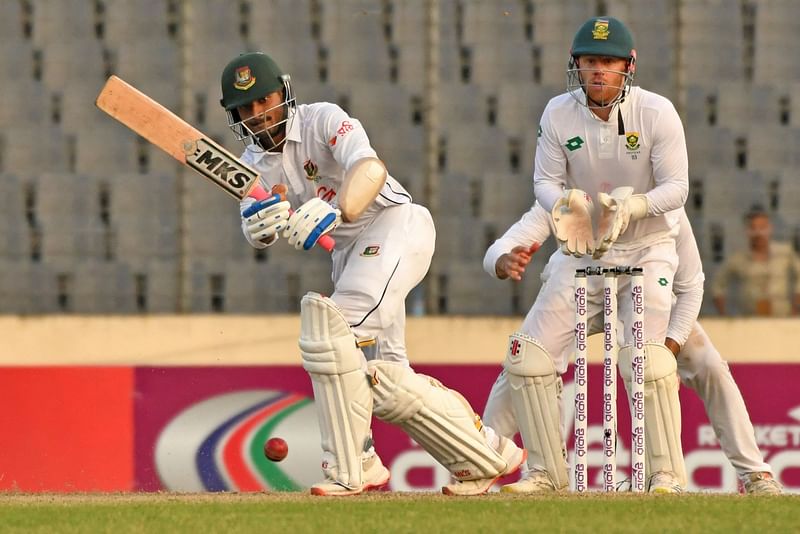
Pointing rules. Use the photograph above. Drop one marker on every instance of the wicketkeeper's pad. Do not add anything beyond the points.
(535, 389)
(662, 409)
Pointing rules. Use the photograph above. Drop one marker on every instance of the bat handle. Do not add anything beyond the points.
(326, 241)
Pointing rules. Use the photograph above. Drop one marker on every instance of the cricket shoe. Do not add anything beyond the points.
(534, 481)
(664, 482)
(376, 476)
(514, 457)
(761, 483)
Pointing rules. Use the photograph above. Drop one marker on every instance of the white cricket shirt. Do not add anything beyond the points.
(646, 150)
(322, 143)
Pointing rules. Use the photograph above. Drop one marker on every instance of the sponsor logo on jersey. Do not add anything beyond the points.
(244, 78)
(663, 282)
(344, 128)
(632, 140)
(600, 30)
(371, 250)
(312, 170)
(574, 144)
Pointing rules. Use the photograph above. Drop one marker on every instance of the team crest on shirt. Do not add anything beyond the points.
(600, 30)
(371, 250)
(632, 140)
(312, 170)
(244, 78)
(632, 144)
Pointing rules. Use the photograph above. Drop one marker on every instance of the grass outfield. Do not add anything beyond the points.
(392, 512)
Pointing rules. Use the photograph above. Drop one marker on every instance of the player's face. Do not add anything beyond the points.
(602, 77)
(264, 117)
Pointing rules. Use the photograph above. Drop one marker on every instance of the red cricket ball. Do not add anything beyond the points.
(276, 449)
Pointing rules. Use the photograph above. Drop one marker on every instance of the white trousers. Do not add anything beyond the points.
(374, 275)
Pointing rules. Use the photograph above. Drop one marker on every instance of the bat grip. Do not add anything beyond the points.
(326, 241)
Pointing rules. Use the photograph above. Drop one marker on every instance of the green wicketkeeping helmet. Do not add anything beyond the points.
(603, 36)
(249, 77)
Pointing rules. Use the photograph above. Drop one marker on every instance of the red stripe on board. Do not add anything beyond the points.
(233, 455)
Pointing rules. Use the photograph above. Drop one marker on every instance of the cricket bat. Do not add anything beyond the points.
(183, 142)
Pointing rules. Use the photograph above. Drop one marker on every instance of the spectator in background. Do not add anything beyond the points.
(768, 273)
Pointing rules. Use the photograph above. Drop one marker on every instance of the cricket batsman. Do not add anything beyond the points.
(353, 342)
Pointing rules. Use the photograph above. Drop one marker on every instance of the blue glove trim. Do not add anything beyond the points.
(318, 230)
(259, 205)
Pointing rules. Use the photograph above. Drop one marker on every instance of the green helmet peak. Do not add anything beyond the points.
(603, 36)
(249, 77)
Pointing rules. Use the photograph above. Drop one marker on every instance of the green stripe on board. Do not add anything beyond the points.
(273, 474)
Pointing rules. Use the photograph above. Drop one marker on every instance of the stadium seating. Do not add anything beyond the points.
(91, 212)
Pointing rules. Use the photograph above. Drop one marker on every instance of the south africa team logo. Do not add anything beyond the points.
(600, 30)
(632, 140)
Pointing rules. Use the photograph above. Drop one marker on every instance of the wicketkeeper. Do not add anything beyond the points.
(608, 144)
(699, 364)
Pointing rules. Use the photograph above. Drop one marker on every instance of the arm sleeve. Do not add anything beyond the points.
(550, 164)
(533, 227)
(687, 286)
(670, 164)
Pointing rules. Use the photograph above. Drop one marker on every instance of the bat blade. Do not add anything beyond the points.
(182, 141)
(176, 137)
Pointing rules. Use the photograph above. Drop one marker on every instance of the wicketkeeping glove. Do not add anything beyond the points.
(618, 210)
(263, 219)
(572, 219)
(311, 221)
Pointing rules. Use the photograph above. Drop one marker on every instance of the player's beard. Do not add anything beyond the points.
(270, 137)
(600, 93)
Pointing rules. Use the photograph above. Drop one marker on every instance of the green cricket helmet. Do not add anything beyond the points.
(601, 36)
(250, 77)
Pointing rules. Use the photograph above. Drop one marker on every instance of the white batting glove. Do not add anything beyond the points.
(618, 210)
(311, 221)
(263, 219)
(572, 219)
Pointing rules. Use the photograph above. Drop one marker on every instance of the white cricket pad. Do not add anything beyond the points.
(536, 396)
(436, 417)
(341, 387)
(662, 409)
